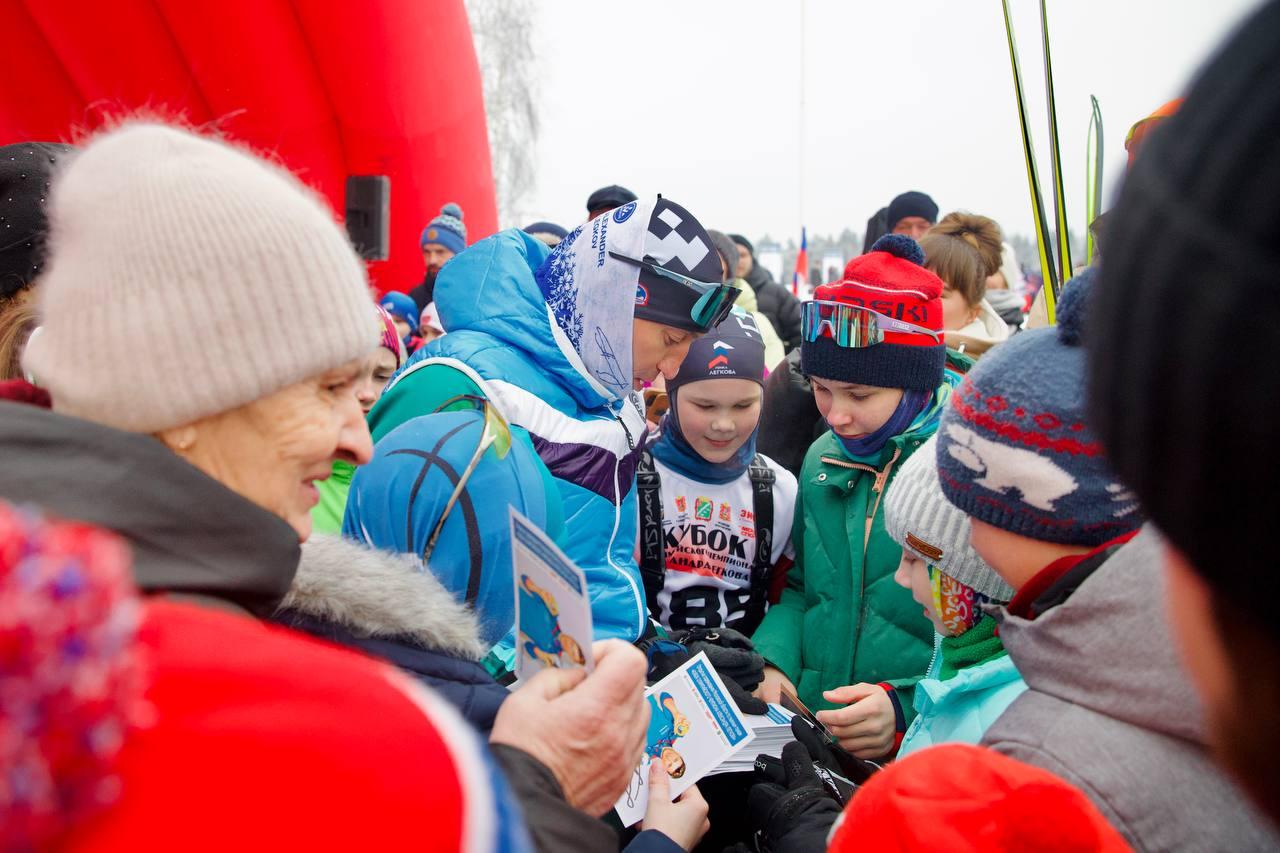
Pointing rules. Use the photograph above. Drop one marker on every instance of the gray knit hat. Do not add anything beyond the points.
(918, 516)
(173, 259)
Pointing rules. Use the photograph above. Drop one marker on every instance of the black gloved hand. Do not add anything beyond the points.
(734, 659)
(848, 770)
(796, 814)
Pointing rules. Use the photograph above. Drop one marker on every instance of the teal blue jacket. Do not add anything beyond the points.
(961, 708)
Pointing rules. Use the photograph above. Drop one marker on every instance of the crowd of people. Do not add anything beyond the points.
(258, 584)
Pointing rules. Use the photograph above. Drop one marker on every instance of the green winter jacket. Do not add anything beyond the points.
(842, 619)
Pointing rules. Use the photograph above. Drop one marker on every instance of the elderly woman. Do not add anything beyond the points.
(186, 421)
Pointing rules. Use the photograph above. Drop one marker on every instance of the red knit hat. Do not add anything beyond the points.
(967, 799)
(889, 280)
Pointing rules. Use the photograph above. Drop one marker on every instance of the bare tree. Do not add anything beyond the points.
(505, 51)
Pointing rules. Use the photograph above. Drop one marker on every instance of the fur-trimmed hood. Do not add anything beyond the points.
(381, 594)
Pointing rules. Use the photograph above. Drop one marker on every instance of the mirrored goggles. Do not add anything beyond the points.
(853, 326)
(715, 301)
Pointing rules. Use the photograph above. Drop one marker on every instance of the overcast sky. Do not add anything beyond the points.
(700, 100)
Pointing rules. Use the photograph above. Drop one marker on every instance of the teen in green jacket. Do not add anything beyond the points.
(844, 636)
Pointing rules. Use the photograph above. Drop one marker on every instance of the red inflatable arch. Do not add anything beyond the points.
(333, 87)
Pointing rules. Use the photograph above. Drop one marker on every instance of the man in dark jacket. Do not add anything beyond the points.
(444, 237)
(775, 301)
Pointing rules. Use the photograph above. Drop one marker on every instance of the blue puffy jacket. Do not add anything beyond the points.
(502, 344)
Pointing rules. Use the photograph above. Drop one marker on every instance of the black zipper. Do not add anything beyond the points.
(631, 445)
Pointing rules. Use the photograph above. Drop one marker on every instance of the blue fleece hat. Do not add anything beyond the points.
(402, 307)
(396, 500)
(1014, 448)
(446, 230)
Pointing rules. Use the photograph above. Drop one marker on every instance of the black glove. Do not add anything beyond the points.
(734, 659)
(848, 770)
(796, 815)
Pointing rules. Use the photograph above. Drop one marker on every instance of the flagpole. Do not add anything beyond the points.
(800, 171)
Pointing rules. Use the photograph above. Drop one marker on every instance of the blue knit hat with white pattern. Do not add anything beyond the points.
(446, 230)
(1014, 449)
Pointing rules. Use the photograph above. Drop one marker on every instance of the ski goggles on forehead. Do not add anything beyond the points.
(714, 303)
(853, 326)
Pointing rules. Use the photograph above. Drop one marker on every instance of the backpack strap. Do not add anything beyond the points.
(762, 480)
(653, 558)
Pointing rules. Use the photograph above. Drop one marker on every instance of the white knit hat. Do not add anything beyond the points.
(187, 277)
(918, 516)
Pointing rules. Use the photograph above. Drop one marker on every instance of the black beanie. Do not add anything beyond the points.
(912, 203)
(744, 243)
(1183, 389)
(25, 173)
(607, 198)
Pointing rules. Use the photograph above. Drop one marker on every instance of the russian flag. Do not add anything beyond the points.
(801, 276)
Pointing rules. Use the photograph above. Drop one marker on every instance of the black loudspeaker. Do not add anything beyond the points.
(369, 215)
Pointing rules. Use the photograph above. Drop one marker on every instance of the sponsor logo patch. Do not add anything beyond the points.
(702, 509)
(623, 213)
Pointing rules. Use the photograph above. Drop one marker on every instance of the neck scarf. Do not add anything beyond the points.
(977, 645)
(909, 407)
(917, 415)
